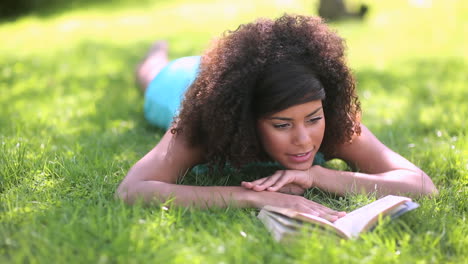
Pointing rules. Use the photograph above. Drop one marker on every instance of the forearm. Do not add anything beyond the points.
(401, 181)
(219, 196)
(184, 195)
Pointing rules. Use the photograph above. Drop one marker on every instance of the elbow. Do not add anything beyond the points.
(427, 187)
(430, 191)
(132, 192)
(417, 185)
(123, 193)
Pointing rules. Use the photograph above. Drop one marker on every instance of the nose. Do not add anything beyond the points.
(301, 136)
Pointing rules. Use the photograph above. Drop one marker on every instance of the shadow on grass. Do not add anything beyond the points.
(78, 107)
(14, 9)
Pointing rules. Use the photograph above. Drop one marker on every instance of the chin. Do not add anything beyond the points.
(302, 166)
(305, 165)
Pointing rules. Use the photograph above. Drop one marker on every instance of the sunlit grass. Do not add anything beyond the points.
(71, 125)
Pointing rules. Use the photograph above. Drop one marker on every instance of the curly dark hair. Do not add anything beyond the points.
(262, 68)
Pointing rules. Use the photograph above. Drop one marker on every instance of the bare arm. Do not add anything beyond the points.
(223, 196)
(154, 177)
(399, 181)
(380, 170)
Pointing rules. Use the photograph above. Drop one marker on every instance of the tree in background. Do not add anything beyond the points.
(336, 9)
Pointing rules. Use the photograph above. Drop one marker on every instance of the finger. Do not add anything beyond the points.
(320, 213)
(309, 210)
(334, 212)
(329, 214)
(262, 184)
(247, 185)
(334, 217)
(331, 218)
(250, 186)
(259, 181)
(323, 208)
(340, 214)
(285, 179)
(269, 181)
(274, 177)
(260, 187)
(325, 212)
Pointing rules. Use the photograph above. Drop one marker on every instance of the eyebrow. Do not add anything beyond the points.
(290, 119)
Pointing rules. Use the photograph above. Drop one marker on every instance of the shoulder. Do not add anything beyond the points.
(168, 161)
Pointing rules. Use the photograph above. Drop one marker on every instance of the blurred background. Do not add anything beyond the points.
(390, 28)
(409, 58)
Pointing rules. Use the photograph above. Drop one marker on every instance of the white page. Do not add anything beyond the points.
(357, 220)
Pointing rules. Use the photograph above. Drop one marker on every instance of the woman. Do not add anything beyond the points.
(273, 90)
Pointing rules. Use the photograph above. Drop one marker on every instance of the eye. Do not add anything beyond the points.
(314, 119)
(283, 125)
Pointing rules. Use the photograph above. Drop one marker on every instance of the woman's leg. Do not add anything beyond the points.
(152, 64)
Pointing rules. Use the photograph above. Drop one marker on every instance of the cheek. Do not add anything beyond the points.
(322, 129)
(264, 135)
(319, 133)
(269, 139)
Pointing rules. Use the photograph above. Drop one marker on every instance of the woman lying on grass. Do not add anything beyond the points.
(272, 90)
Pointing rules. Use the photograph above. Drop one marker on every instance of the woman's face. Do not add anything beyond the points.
(293, 136)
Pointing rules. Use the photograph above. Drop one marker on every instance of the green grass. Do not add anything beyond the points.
(71, 125)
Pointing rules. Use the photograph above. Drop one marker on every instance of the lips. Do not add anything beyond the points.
(300, 157)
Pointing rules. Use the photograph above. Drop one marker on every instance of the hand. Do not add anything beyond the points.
(275, 182)
(292, 188)
(298, 203)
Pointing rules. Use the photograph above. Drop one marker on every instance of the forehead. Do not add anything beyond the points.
(299, 109)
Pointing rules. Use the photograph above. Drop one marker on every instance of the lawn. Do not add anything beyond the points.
(71, 125)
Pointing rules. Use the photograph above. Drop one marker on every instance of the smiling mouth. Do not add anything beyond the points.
(301, 154)
(300, 157)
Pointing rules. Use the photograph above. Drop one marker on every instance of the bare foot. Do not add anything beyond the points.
(152, 64)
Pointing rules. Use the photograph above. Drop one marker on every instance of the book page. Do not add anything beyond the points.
(304, 217)
(365, 217)
(282, 219)
(276, 226)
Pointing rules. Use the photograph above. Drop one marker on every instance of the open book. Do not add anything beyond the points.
(285, 222)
